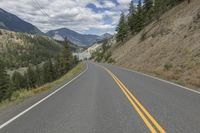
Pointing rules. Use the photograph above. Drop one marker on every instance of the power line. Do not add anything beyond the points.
(40, 7)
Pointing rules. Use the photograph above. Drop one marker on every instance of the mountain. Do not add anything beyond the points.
(11, 22)
(72, 36)
(105, 36)
(75, 37)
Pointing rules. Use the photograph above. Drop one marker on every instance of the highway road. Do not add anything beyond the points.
(109, 99)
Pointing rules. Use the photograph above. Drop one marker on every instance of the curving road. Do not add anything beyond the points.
(109, 99)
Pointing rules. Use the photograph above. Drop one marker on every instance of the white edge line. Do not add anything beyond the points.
(159, 79)
(140, 73)
(45, 98)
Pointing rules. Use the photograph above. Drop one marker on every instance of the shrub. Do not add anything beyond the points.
(168, 66)
(111, 60)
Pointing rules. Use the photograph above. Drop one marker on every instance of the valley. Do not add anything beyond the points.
(118, 66)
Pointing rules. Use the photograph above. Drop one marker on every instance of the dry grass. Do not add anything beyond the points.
(170, 49)
(22, 94)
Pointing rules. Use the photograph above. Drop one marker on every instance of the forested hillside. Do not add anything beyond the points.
(21, 49)
(29, 61)
(141, 15)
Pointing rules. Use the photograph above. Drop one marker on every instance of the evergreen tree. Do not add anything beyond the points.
(66, 58)
(57, 72)
(58, 66)
(38, 75)
(131, 8)
(75, 60)
(51, 70)
(142, 15)
(148, 10)
(148, 4)
(139, 24)
(48, 71)
(17, 81)
(122, 28)
(131, 17)
(30, 77)
(160, 7)
(4, 82)
(26, 80)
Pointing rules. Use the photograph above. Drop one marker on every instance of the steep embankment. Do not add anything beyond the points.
(169, 47)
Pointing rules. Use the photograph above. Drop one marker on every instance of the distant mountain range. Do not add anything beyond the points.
(104, 36)
(11, 22)
(75, 37)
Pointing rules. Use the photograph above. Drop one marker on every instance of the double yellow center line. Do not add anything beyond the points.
(143, 113)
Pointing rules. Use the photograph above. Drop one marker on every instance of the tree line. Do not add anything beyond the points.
(141, 15)
(36, 75)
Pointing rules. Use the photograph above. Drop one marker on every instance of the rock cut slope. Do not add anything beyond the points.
(169, 47)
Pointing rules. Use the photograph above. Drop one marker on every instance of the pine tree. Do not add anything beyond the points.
(76, 60)
(30, 77)
(38, 75)
(131, 8)
(51, 70)
(17, 81)
(122, 28)
(4, 82)
(48, 71)
(131, 17)
(58, 66)
(139, 24)
(160, 7)
(148, 10)
(57, 73)
(66, 58)
(148, 4)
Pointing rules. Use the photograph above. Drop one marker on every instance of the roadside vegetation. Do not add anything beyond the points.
(140, 16)
(45, 62)
(161, 39)
(102, 54)
(21, 94)
(131, 24)
(167, 47)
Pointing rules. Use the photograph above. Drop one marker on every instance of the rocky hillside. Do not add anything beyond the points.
(20, 49)
(169, 47)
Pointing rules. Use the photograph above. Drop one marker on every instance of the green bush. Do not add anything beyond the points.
(168, 66)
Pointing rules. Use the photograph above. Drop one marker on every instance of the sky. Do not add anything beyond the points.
(84, 16)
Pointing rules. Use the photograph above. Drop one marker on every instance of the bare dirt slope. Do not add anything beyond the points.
(169, 47)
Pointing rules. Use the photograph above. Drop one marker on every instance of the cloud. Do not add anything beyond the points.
(124, 2)
(73, 14)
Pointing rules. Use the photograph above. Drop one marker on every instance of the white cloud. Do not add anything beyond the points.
(124, 2)
(71, 14)
(109, 4)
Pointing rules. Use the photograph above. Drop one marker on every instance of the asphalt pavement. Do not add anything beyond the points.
(109, 99)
